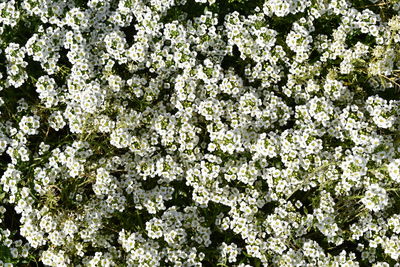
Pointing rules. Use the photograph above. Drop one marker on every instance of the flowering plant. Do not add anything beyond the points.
(200, 133)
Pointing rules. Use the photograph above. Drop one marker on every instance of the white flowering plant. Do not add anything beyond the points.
(200, 133)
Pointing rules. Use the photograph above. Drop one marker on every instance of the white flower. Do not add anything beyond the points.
(394, 171)
(29, 124)
(375, 198)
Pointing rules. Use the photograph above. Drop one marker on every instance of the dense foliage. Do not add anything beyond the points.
(200, 133)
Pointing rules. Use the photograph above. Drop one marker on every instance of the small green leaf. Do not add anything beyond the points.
(5, 253)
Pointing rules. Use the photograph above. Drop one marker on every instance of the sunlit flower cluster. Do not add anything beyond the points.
(200, 133)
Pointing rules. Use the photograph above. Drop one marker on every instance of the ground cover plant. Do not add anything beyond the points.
(199, 133)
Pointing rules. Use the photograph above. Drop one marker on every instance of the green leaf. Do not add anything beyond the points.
(5, 253)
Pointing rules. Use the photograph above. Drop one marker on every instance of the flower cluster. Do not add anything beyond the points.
(200, 133)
